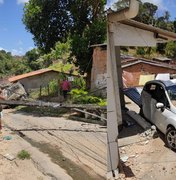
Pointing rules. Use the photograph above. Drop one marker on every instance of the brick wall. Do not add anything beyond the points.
(98, 74)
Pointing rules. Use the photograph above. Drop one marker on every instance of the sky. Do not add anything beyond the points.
(163, 5)
(13, 36)
(15, 39)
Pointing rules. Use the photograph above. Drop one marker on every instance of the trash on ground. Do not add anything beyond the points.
(7, 137)
(9, 157)
(124, 158)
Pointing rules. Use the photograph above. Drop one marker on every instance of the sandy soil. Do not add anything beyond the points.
(59, 148)
(147, 158)
(65, 149)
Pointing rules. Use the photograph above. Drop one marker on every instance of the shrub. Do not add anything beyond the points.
(140, 51)
(79, 96)
(23, 154)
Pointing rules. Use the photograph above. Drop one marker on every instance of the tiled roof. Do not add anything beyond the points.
(33, 73)
(154, 63)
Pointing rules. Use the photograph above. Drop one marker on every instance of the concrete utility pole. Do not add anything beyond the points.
(114, 85)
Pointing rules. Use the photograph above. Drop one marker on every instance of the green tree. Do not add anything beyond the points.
(31, 57)
(170, 49)
(82, 20)
(121, 4)
(89, 27)
(11, 65)
(48, 21)
(146, 13)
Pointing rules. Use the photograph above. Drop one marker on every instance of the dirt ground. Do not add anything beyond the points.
(65, 149)
(144, 157)
(59, 148)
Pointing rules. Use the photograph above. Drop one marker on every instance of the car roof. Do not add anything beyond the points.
(163, 83)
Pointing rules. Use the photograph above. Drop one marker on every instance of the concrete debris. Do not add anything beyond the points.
(14, 91)
(150, 133)
(9, 157)
(144, 143)
(124, 158)
(133, 156)
(123, 152)
(153, 128)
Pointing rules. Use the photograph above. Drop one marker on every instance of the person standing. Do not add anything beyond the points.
(65, 87)
(1, 98)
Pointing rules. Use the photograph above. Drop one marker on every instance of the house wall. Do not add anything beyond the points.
(36, 81)
(98, 74)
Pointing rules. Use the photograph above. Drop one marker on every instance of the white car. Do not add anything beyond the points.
(159, 107)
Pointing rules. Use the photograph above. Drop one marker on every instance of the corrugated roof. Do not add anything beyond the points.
(33, 73)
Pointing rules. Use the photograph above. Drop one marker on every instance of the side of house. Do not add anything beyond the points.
(133, 69)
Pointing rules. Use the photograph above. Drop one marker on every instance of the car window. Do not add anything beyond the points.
(157, 92)
(172, 94)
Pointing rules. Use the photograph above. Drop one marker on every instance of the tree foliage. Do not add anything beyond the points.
(10, 65)
(31, 57)
(83, 21)
(146, 13)
(171, 49)
(48, 21)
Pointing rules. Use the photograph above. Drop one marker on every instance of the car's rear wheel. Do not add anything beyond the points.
(171, 138)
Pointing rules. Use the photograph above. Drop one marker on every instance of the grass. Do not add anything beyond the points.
(23, 154)
(43, 111)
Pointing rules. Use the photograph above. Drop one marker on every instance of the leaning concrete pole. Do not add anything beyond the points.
(114, 81)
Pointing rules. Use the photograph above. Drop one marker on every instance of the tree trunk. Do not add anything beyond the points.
(88, 80)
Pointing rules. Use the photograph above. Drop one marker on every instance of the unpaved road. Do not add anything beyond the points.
(64, 149)
(149, 159)
(60, 148)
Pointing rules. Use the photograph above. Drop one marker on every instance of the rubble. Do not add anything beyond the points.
(14, 91)
(124, 158)
(9, 157)
(150, 133)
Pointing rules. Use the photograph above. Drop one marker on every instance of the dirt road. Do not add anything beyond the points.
(59, 148)
(143, 157)
(64, 149)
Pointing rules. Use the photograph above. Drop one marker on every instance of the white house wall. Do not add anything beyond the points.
(36, 81)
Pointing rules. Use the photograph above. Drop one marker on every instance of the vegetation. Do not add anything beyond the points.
(83, 22)
(80, 96)
(23, 154)
(10, 65)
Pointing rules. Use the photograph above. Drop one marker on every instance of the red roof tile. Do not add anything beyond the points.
(33, 73)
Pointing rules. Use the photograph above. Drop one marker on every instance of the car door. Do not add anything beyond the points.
(152, 94)
(146, 104)
(159, 116)
(148, 101)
